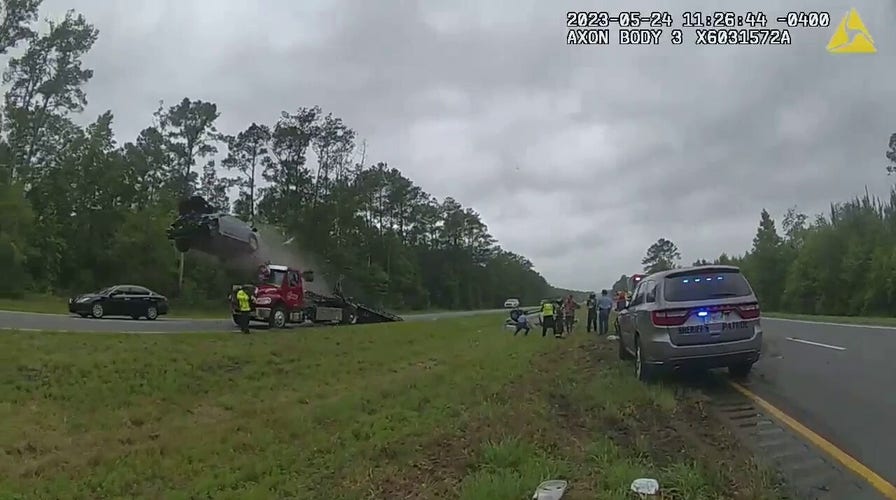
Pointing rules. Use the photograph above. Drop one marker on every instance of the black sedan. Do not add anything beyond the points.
(120, 300)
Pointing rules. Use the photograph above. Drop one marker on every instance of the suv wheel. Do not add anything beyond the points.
(644, 371)
(623, 352)
(740, 370)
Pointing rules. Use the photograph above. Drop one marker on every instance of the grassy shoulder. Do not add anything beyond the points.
(58, 305)
(453, 408)
(849, 320)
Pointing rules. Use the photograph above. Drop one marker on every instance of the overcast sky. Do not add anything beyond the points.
(485, 102)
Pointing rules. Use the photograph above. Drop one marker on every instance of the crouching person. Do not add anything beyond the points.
(522, 324)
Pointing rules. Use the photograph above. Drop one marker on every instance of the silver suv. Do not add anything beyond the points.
(702, 317)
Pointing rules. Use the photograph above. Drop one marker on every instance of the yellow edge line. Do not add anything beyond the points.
(879, 483)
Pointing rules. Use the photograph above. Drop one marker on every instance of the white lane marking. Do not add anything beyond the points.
(819, 344)
(845, 325)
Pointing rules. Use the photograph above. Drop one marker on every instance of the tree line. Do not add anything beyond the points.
(81, 211)
(842, 262)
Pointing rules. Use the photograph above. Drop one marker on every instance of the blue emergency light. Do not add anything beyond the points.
(697, 280)
(702, 313)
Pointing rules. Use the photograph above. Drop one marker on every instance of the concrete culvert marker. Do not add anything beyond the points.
(550, 490)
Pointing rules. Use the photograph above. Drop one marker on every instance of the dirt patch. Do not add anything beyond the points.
(548, 407)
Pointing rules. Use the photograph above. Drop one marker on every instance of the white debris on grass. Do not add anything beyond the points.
(550, 490)
(646, 487)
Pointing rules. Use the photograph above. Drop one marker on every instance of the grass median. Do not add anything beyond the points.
(50, 304)
(453, 408)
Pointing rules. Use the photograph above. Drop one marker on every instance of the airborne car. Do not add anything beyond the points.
(200, 226)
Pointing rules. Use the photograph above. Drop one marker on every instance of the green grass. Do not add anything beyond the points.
(453, 408)
(58, 305)
(850, 320)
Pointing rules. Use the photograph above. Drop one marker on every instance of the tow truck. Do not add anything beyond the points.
(280, 298)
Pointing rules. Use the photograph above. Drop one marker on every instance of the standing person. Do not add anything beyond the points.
(547, 318)
(244, 307)
(604, 306)
(620, 300)
(569, 312)
(522, 323)
(559, 321)
(591, 305)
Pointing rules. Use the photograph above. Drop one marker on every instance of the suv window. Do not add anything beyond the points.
(705, 284)
(650, 292)
(638, 296)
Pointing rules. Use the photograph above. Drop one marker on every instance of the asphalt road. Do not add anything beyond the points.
(838, 381)
(11, 320)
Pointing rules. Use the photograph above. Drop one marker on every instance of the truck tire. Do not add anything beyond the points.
(349, 315)
(278, 317)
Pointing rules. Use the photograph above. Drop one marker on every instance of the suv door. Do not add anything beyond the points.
(626, 320)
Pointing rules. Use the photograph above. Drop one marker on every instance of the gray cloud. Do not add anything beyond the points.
(485, 102)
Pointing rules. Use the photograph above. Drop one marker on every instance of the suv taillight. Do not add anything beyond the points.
(749, 311)
(670, 317)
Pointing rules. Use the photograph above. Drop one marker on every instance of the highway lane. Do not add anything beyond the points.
(13, 320)
(837, 380)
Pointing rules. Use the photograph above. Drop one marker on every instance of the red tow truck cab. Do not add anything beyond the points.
(280, 298)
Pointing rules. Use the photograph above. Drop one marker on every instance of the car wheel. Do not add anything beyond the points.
(253, 242)
(623, 352)
(97, 310)
(278, 318)
(643, 371)
(182, 246)
(740, 370)
(152, 313)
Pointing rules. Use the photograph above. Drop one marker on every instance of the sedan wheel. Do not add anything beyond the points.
(152, 312)
(97, 310)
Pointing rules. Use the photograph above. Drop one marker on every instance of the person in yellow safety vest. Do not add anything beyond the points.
(547, 318)
(244, 308)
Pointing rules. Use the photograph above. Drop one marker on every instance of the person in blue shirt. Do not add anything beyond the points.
(604, 306)
(522, 323)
